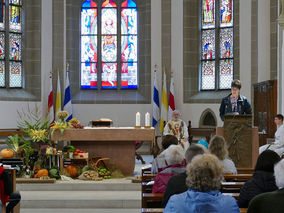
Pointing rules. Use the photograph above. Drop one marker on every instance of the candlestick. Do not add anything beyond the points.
(138, 120)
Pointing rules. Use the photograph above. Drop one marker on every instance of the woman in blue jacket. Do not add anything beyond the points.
(204, 175)
(235, 103)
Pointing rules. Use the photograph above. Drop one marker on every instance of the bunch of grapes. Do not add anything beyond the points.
(74, 123)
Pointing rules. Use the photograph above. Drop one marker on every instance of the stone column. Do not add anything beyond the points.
(280, 76)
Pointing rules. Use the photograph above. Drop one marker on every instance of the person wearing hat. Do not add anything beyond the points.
(235, 103)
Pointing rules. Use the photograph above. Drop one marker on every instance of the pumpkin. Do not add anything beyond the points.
(72, 171)
(7, 153)
(41, 173)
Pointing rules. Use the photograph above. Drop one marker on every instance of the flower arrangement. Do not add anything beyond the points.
(40, 135)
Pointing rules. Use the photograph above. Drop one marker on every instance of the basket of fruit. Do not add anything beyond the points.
(101, 164)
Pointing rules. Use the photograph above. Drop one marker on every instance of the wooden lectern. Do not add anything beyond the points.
(241, 138)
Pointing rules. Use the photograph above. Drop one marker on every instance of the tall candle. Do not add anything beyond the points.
(138, 119)
(147, 119)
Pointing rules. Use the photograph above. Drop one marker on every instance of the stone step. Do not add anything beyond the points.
(23, 210)
(81, 199)
(105, 185)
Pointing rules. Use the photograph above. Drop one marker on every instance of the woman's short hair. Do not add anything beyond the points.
(279, 116)
(204, 173)
(169, 140)
(266, 161)
(192, 151)
(218, 147)
(236, 83)
(174, 155)
(279, 173)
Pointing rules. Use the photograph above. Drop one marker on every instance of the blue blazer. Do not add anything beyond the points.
(243, 106)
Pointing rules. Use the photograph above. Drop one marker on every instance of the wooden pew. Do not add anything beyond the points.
(245, 170)
(243, 210)
(238, 177)
(146, 169)
(153, 197)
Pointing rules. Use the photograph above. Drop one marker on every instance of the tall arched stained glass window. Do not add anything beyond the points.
(11, 73)
(109, 59)
(217, 42)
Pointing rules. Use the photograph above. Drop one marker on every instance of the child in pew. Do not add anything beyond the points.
(6, 194)
(218, 147)
(176, 183)
(263, 178)
(204, 175)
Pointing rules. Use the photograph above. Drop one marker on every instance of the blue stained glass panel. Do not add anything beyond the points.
(226, 43)
(208, 75)
(129, 48)
(15, 41)
(17, 2)
(2, 16)
(208, 14)
(15, 18)
(226, 13)
(89, 76)
(109, 21)
(109, 48)
(109, 75)
(208, 44)
(226, 73)
(129, 76)
(2, 73)
(89, 49)
(89, 21)
(15, 77)
(2, 45)
(128, 21)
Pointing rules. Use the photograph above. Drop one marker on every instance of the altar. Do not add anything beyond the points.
(116, 143)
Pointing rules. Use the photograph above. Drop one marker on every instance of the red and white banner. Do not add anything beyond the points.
(171, 100)
(50, 109)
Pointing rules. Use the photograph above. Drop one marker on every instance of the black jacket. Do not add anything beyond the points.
(261, 182)
(175, 185)
(243, 107)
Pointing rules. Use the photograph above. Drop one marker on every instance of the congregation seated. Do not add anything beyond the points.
(218, 147)
(159, 161)
(174, 157)
(263, 178)
(204, 175)
(6, 194)
(177, 183)
(270, 201)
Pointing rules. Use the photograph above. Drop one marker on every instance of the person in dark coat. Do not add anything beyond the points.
(271, 201)
(176, 183)
(235, 103)
(263, 178)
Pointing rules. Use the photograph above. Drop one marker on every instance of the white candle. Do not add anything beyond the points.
(138, 119)
(147, 119)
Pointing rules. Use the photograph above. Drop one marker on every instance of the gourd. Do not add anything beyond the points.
(7, 153)
(72, 171)
(42, 173)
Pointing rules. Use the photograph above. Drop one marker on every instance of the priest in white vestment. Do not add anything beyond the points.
(278, 145)
(178, 128)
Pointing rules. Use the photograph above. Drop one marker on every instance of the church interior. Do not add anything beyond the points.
(106, 103)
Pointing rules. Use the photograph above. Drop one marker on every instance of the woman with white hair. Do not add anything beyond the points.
(271, 201)
(204, 176)
(174, 157)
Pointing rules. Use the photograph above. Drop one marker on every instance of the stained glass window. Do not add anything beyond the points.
(106, 50)
(89, 45)
(217, 67)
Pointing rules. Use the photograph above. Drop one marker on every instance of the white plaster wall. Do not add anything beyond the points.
(245, 47)
(263, 40)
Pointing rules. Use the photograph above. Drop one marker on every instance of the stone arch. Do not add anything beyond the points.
(207, 119)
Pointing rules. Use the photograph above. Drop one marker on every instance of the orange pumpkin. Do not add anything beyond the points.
(42, 173)
(72, 171)
(7, 153)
